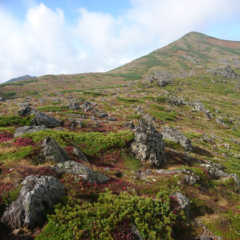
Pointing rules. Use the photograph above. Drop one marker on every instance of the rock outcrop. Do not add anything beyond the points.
(45, 120)
(161, 78)
(148, 145)
(52, 152)
(82, 171)
(174, 135)
(37, 196)
(226, 72)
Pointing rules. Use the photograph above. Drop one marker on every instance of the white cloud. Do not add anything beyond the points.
(44, 42)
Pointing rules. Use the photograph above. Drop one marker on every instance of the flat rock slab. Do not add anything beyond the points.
(28, 129)
(79, 169)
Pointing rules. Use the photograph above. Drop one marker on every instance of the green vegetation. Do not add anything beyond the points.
(128, 100)
(92, 142)
(110, 215)
(15, 120)
(15, 155)
(226, 226)
(164, 116)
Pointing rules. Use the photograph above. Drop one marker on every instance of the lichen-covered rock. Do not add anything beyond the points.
(79, 154)
(45, 120)
(37, 196)
(82, 171)
(25, 110)
(174, 135)
(148, 145)
(214, 170)
(181, 201)
(190, 178)
(28, 129)
(52, 152)
(226, 72)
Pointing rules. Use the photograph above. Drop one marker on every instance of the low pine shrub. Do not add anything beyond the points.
(112, 217)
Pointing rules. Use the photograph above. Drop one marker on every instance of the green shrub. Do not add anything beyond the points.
(15, 120)
(92, 143)
(101, 219)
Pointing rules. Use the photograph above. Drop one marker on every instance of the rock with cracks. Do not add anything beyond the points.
(148, 145)
(174, 135)
(45, 120)
(52, 152)
(37, 196)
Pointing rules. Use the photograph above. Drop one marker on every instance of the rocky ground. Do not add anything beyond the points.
(155, 158)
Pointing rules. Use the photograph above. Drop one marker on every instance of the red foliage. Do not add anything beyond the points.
(23, 142)
(4, 188)
(40, 171)
(123, 232)
(6, 136)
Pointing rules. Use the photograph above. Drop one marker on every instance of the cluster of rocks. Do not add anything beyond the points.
(226, 72)
(216, 171)
(39, 194)
(161, 78)
(174, 135)
(148, 145)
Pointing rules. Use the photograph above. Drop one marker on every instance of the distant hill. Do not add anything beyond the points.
(22, 78)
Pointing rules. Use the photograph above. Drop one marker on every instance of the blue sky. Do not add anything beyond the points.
(40, 37)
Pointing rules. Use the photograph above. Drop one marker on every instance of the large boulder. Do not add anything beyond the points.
(148, 145)
(174, 135)
(45, 120)
(82, 171)
(52, 152)
(37, 196)
(28, 129)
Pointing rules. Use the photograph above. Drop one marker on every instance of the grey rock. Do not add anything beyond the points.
(82, 171)
(182, 201)
(74, 105)
(161, 78)
(226, 72)
(28, 129)
(198, 107)
(177, 101)
(79, 154)
(215, 170)
(38, 194)
(43, 119)
(25, 110)
(87, 106)
(190, 178)
(174, 135)
(148, 145)
(52, 152)
(100, 114)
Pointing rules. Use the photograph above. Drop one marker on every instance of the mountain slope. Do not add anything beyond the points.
(193, 53)
(123, 125)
